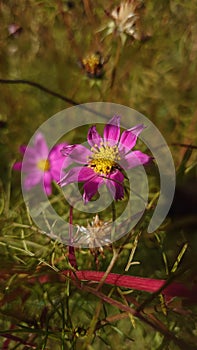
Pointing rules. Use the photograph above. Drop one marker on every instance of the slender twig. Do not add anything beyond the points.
(116, 60)
(110, 266)
(169, 286)
(93, 325)
(135, 243)
(40, 87)
(184, 145)
(55, 94)
(163, 330)
(15, 338)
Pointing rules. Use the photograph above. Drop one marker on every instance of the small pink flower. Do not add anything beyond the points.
(40, 165)
(104, 161)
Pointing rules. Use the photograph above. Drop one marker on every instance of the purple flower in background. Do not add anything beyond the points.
(105, 160)
(40, 165)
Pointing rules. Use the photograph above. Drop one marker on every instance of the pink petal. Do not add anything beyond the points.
(134, 159)
(129, 137)
(86, 174)
(78, 153)
(32, 155)
(91, 188)
(47, 186)
(56, 152)
(93, 137)
(58, 162)
(115, 185)
(17, 166)
(33, 179)
(57, 168)
(28, 167)
(56, 174)
(112, 131)
(41, 147)
(71, 176)
(67, 150)
(77, 174)
(22, 149)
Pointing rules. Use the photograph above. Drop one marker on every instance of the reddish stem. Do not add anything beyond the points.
(71, 249)
(151, 285)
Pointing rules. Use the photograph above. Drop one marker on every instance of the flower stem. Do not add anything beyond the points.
(167, 287)
(71, 249)
(113, 208)
(116, 60)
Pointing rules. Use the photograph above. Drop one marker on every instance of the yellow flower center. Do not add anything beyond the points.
(43, 165)
(91, 62)
(104, 158)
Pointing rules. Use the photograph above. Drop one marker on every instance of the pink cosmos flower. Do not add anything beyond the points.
(40, 165)
(105, 160)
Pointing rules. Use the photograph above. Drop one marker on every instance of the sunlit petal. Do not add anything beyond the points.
(93, 137)
(115, 185)
(129, 137)
(91, 188)
(135, 158)
(112, 131)
(78, 153)
(41, 145)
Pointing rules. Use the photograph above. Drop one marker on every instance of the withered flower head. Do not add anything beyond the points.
(126, 19)
(96, 234)
(93, 65)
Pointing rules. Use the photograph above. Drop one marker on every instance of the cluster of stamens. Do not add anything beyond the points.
(43, 165)
(91, 62)
(104, 158)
